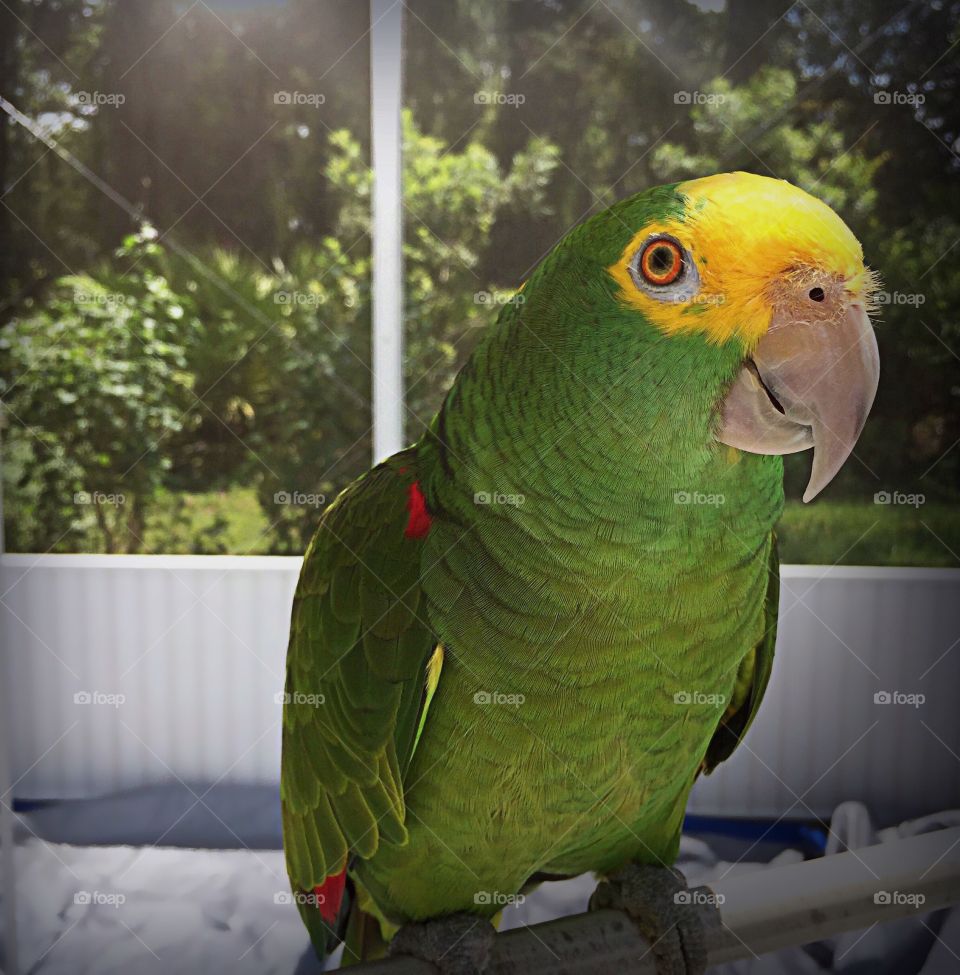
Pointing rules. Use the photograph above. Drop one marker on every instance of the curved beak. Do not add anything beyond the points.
(806, 385)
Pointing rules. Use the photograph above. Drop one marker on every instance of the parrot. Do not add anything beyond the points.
(516, 644)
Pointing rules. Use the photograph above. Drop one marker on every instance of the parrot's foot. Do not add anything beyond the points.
(458, 944)
(658, 900)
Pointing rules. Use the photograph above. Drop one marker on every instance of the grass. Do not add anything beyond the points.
(824, 532)
(854, 533)
(211, 523)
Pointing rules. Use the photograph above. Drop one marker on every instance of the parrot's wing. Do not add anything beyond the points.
(752, 677)
(355, 686)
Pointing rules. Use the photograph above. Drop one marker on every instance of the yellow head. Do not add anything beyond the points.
(757, 249)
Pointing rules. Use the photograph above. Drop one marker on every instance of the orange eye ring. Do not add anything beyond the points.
(661, 261)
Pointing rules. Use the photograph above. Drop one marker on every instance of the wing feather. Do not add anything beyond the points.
(356, 666)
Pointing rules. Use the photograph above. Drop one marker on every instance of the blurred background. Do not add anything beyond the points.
(184, 236)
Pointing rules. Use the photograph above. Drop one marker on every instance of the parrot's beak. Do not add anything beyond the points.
(806, 385)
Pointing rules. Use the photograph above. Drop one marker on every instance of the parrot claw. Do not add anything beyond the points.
(458, 944)
(659, 902)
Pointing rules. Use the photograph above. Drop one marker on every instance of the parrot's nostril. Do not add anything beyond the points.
(817, 294)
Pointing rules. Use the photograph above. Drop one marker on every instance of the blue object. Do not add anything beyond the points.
(810, 837)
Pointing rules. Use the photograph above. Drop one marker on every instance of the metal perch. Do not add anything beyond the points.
(760, 912)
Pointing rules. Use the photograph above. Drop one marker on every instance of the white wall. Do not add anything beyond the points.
(195, 644)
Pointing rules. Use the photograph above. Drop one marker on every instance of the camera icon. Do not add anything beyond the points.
(82, 697)
(683, 897)
(481, 497)
(883, 897)
(682, 697)
(282, 497)
(281, 297)
(283, 897)
(82, 497)
(882, 98)
(681, 497)
(481, 98)
(882, 697)
(482, 897)
(482, 298)
(282, 98)
(82, 897)
(482, 697)
(281, 697)
(882, 497)
(682, 98)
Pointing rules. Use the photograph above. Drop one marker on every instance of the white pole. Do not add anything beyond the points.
(759, 911)
(386, 93)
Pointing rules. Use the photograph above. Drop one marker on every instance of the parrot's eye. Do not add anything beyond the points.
(661, 261)
(664, 270)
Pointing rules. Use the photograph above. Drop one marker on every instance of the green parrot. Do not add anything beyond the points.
(517, 643)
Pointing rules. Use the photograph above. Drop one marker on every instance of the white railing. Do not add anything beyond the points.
(126, 670)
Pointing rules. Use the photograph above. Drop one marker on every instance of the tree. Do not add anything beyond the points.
(98, 381)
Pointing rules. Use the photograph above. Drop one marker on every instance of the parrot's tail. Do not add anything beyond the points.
(323, 938)
(358, 930)
(362, 940)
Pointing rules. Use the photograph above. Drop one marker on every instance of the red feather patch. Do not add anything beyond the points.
(419, 522)
(329, 895)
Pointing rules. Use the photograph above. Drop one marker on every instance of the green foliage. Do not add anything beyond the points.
(453, 200)
(247, 390)
(814, 155)
(918, 331)
(180, 372)
(99, 380)
(229, 522)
